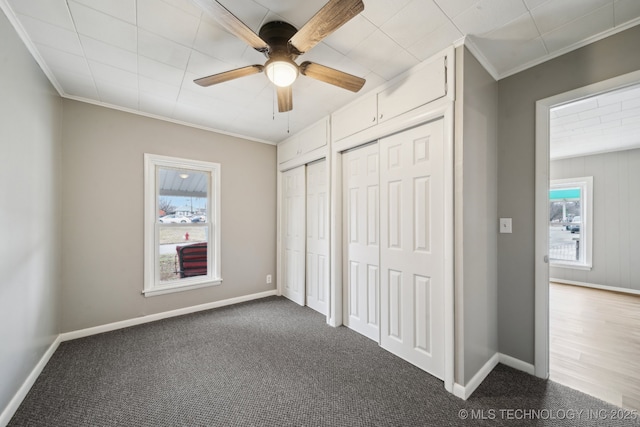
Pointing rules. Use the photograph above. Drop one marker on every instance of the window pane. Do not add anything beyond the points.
(182, 195)
(182, 251)
(565, 213)
(182, 201)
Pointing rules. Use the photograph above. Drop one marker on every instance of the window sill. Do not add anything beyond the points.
(585, 267)
(168, 289)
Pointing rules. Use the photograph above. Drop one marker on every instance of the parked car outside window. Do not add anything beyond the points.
(174, 219)
(574, 225)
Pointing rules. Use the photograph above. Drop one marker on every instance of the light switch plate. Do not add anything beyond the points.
(505, 225)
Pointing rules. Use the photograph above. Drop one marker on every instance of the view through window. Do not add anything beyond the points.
(181, 219)
(569, 222)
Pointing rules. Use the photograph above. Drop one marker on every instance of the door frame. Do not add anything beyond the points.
(541, 298)
(439, 109)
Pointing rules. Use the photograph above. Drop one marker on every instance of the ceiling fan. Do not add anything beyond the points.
(282, 43)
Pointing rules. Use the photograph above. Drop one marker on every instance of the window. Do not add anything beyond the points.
(571, 222)
(182, 226)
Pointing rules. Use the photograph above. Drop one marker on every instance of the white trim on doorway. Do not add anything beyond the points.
(543, 107)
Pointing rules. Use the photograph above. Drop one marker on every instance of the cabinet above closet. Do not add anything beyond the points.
(421, 85)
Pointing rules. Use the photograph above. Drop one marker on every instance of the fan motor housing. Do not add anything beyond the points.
(277, 35)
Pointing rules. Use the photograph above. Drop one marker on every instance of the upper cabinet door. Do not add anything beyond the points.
(418, 88)
(356, 117)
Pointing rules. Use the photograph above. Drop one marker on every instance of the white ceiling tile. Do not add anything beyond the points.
(454, 8)
(396, 64)
(103, 27)
(50, 35)
(104, 74)
(62, 60)
(380, 11)
(168, 21)
(188, 6)
(435, 41)
(349, 36)
(580, 29)
(158, 89)
(54, 12)
(75, 84)
(118, 95)
(249, 12)
(523, 28)
(121, 9)
(212, 40)
(487, 15)
(554, 14)
(152, 104)
(159, 71)
(626, 10)
(322, 54)
(374, 49)
(162, 50)
(532, 4)
(109, 54)
(203, 65)
(414, 22)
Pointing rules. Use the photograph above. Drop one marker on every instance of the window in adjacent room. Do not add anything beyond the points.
(182, 227)
(571, 222)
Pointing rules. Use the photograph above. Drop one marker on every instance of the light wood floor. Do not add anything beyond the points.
(595, 343)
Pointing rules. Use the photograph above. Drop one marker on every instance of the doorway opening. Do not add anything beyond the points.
(587, 163)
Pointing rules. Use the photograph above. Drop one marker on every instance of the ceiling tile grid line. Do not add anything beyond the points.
(143, 55)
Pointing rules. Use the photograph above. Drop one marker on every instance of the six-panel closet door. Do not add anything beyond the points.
(317, 216)
(361, 235)
(293, 234)
(412, 246)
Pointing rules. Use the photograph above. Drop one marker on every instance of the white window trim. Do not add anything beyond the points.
(586, 225)
(152, 284)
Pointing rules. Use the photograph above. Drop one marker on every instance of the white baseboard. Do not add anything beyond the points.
(463, 392)
(17, 399)
(66, 336)
(518, 364)
(596, 286)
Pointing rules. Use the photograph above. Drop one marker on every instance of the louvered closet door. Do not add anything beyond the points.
(293, 232)
(362, 240)
(412, 246)
(317, 236)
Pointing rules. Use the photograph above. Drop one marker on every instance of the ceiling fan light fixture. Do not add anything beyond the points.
(281, 72)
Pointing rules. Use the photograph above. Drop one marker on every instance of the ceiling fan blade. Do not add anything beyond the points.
(229, 75)
(332, 76)
(332, 16)
(232, 24)
(285, 99)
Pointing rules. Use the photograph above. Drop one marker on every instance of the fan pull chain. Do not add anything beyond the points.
(288, 120)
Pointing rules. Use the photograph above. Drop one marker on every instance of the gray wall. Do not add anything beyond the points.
(103, 204)
(476, 215)
(30, 112)
(616, 206)
(611, 57)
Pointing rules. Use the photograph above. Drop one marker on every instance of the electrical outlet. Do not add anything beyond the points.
(268, 279)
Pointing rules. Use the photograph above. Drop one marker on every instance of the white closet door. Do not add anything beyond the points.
(362, 240)
(293, 230)
(412, 246)
(317, 236)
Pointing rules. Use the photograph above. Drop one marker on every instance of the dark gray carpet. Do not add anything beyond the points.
(273, 363)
